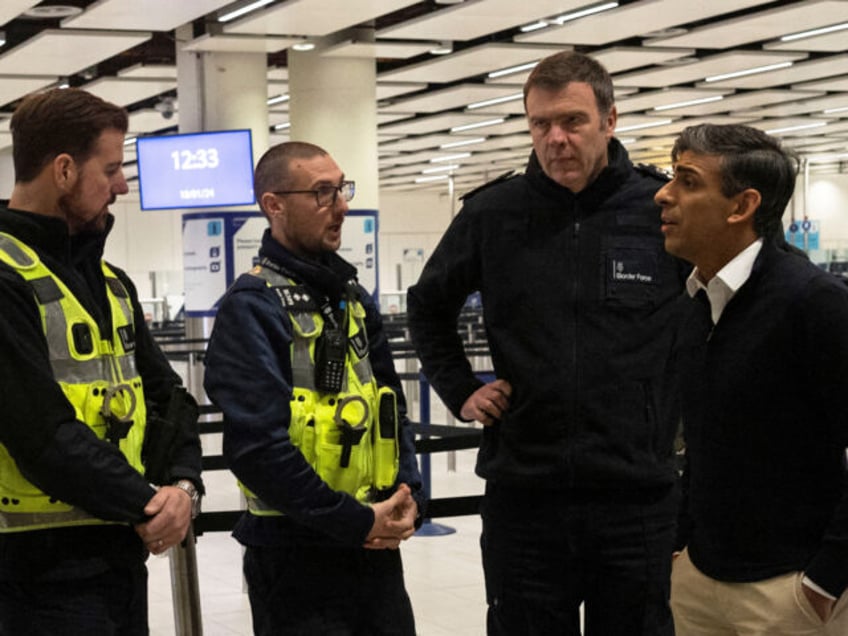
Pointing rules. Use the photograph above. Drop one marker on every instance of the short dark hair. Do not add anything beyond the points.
(61, 120)
(556, 71)
(749, 159)
(272, 171)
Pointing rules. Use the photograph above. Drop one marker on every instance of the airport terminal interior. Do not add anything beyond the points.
(447, 112)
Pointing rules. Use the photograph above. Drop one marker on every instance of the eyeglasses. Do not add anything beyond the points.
(325, 195)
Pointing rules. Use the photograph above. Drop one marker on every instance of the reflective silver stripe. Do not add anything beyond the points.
(19, 520)
(56, 332)
(123, 300)
(127, 365)
(362, 368)
(303, 370)
(256, 505)
(14, 251)
(81, 371)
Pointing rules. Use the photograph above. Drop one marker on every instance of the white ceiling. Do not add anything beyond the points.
(663, 54)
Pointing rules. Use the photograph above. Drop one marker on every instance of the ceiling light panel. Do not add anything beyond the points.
(624, 58)
(379, 49)
(12, 88)
(433, 123)
(314, 17)
(665, 97)
(418, 143)
(675, 127)
(236, 43)
(57, 52)
(816, 106)
(741, 102)
(634, 20)
(447, 98)
(470, 62)
(155, 15)
(471, 20)
(128, 91)
(669, 76)
(759, 26)
(799, 72)
(10, 9)
(825, 43)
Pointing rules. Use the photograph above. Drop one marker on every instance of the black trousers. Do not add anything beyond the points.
(111, 603)
(316, 591)
(546, 552)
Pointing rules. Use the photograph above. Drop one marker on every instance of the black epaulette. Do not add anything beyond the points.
(652, 171)
(506, 176)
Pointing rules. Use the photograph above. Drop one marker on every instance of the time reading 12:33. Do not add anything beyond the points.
(200, 159)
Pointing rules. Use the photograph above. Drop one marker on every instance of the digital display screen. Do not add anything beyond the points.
(195, 170)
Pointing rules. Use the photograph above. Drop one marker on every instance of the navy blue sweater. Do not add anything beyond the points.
(766, 426)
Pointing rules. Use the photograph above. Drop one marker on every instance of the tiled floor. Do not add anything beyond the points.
(444, 577)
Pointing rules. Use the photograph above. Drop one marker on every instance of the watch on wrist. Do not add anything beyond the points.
(191, 490)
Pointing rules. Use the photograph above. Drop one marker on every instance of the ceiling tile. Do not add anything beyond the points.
(635, 19)
(759, 26)
(798, 72)
(471, 20)
(665, 97)
(833, 84)
(828, 42)
(387, 90)
(149, 71)
(128, 91)
(132, 15)
(10, 9)
(707, 67)
(237, 43)
(15, 87)
(314, 17)
(57, 52)
(470, 62)
(818, 106)
(741, 102)
(433, 123)
(454, 97)
(382, 49)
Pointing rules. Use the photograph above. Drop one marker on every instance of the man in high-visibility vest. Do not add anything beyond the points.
(314, 417)
(83, 389)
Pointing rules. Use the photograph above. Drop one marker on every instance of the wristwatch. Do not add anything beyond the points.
(189, 487)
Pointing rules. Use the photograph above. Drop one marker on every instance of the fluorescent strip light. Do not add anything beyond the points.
(496, 100)
(304, 46)
(279, 99)
(479, 124)
(567, 17)
(428, 179)
(512, 69)
(814, 32)
(540, 24)
(750, 71)
(232, 15)
(626, 140)
(835, 110)
(691, 102)
(459, 144)
(461, 155)
(776, 131)
(282, 126)
(453, 166)
(661, 122)
(130, 141)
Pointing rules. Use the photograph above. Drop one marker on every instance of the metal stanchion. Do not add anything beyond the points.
(428, 528)
(185, 589)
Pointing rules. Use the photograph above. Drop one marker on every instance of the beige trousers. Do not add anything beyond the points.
(773, 607)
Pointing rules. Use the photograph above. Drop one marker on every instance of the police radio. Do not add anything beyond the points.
(330, 351)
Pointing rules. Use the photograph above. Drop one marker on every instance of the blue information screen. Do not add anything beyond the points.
(196, 170)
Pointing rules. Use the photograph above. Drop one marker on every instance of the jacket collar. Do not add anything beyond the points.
(616, 171)
(329, 275)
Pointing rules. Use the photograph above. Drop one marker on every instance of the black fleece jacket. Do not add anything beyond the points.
(578, 301)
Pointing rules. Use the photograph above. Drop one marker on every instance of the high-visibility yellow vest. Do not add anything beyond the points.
(350, 437)
(97, 373)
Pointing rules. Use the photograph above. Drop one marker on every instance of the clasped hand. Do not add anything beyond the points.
(394, 520)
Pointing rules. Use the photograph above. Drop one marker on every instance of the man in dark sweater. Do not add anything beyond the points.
(764, 361)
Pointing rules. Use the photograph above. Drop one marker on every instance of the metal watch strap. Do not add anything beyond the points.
(189, 488)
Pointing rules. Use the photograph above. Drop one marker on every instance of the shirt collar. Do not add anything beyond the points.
(724, 285)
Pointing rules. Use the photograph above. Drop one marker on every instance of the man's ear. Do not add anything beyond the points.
(65, 172)
(272, 204)
(747, 203)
